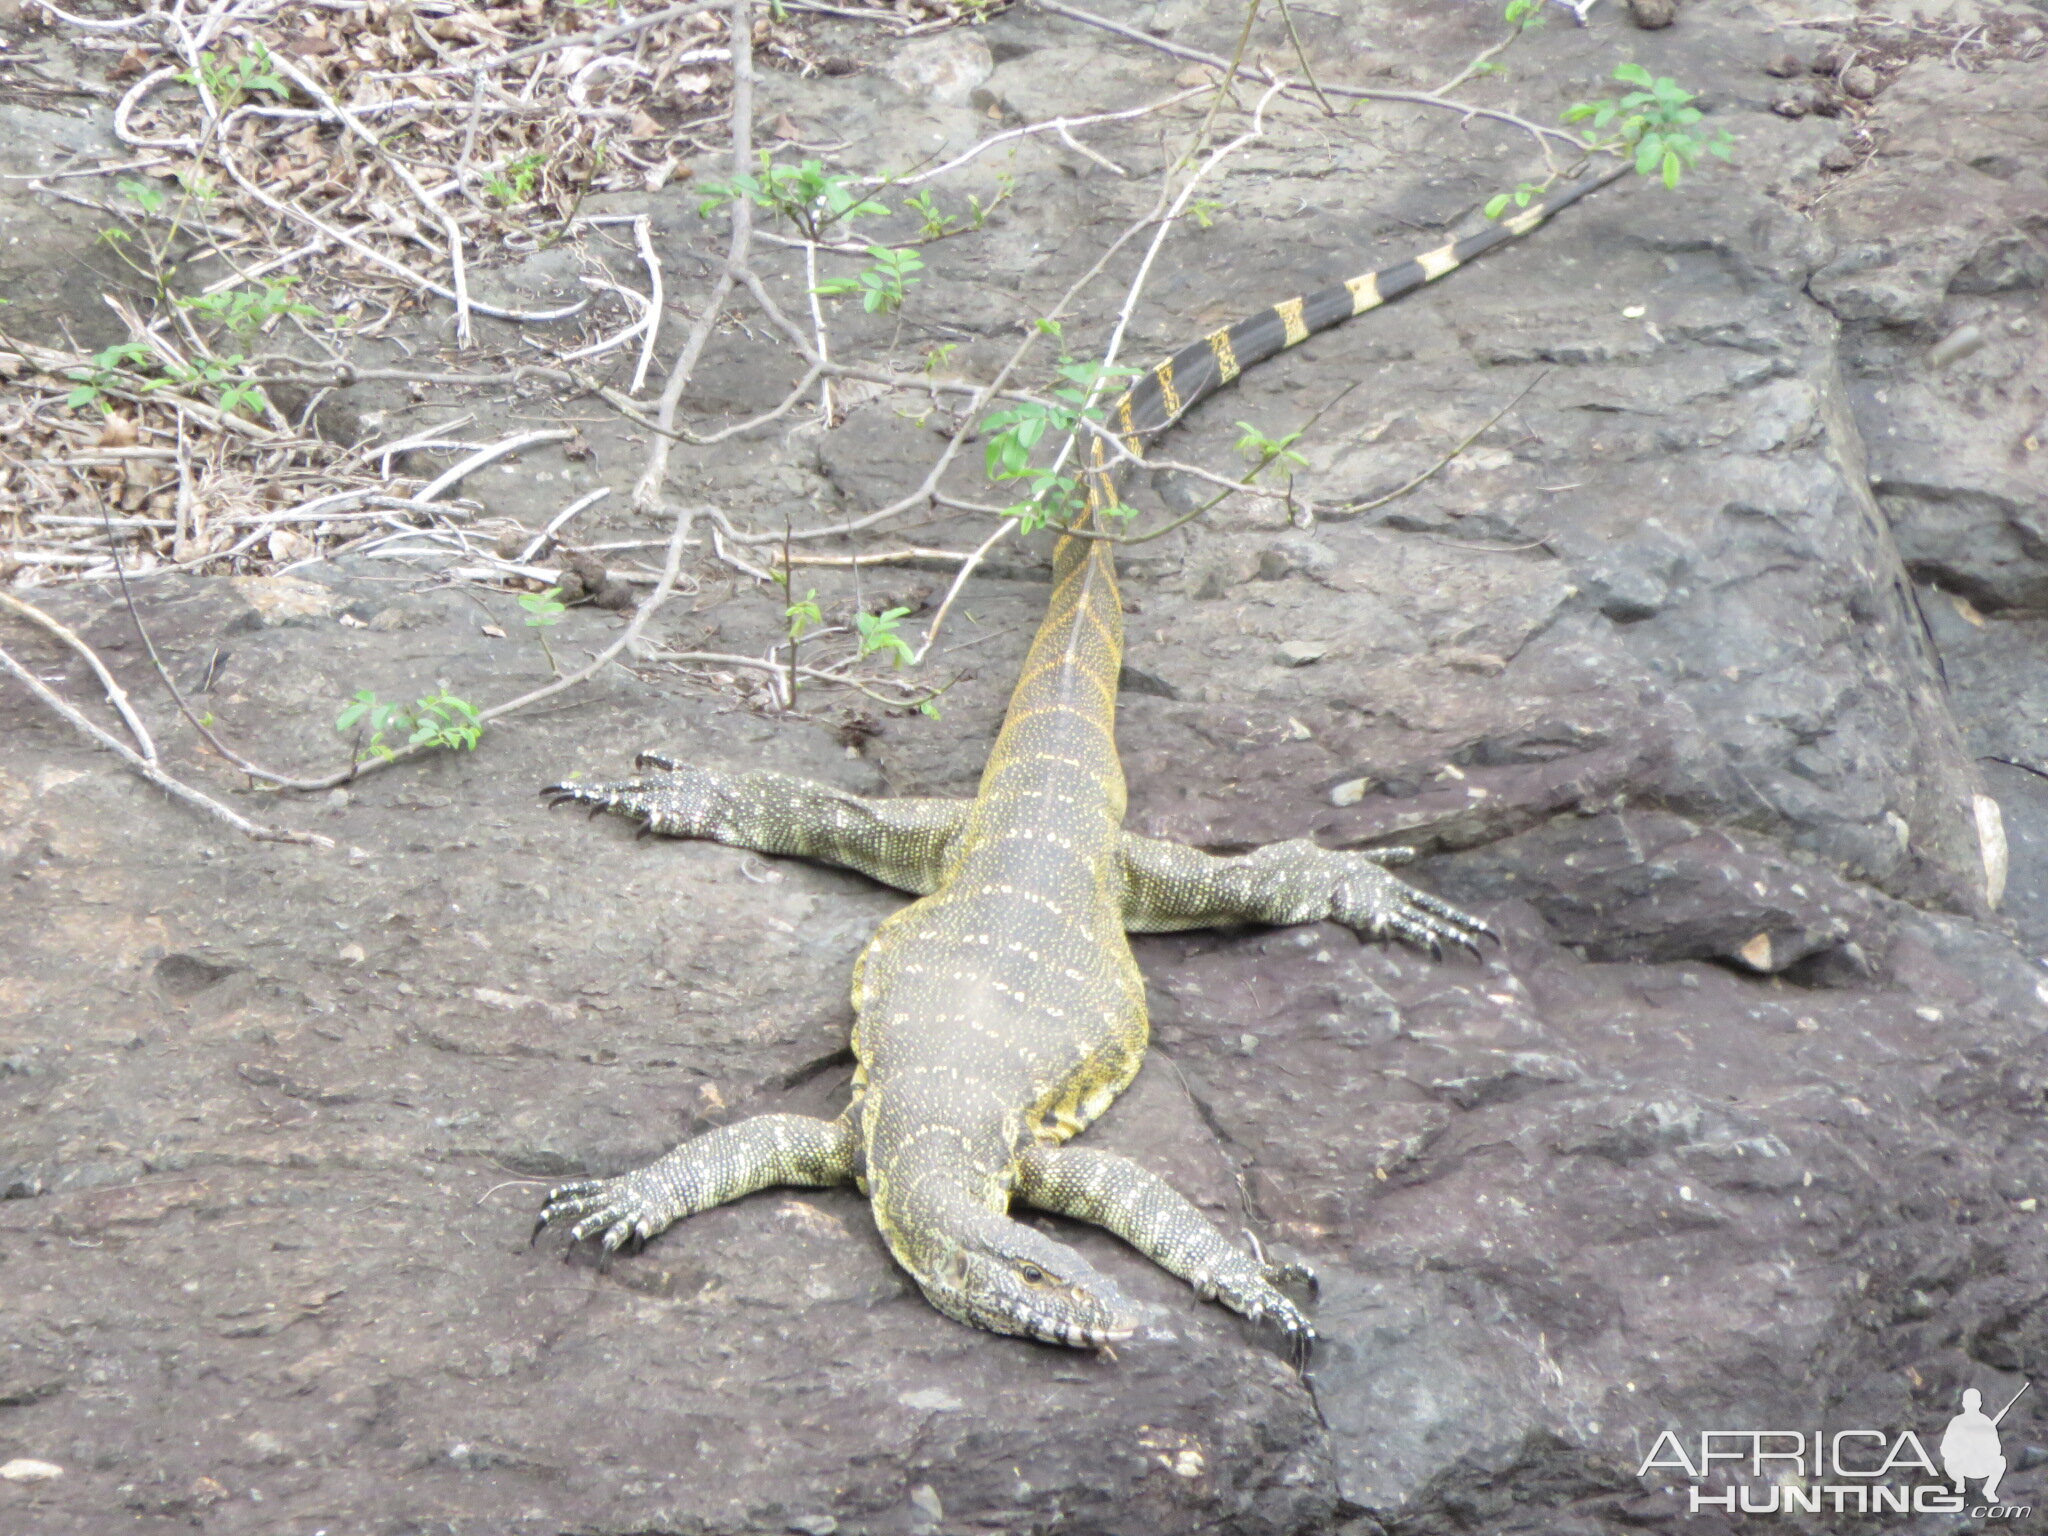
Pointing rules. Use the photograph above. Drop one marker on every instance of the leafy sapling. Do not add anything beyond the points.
(802, 616)
(878, 633)
(92, 385)
(1265, 452)
(881, 287)
(937, 225)
(1017, 429)
(1520, 197)
(544, 611)
(245, 311)
(809, 196)
(439, 719)
(230, 82)
(1656, 125)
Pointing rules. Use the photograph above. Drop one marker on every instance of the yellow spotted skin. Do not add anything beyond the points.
(1001, 1012)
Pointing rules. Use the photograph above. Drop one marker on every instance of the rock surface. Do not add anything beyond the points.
(1712, 674)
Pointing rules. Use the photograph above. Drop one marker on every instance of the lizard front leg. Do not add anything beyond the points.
(707, 1170)
(898, 842)
(1168, 887)
(1161, 1223)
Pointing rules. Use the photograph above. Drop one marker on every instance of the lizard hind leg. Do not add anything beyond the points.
(707, 1170)
(1163, 1224)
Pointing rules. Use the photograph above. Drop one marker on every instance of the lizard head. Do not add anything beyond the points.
(1001, 1275)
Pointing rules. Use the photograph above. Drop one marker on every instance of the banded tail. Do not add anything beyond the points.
(1198, 370)
(1078, 652)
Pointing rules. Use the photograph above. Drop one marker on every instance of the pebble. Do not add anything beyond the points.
(1860, 81)
(1652, 14)
(1842, 157)
(1300, 653)
(1955, 346)
(1786, 66)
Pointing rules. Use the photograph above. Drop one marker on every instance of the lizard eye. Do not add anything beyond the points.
(1032, 1274)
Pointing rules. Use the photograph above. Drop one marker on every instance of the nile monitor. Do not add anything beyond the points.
(1001, 1012)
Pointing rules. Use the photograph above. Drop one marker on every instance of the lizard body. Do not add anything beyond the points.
(1001, 1012)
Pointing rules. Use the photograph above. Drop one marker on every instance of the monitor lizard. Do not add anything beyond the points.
(1001, 1012)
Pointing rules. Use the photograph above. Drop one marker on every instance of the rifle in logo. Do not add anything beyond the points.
(1969, 1446)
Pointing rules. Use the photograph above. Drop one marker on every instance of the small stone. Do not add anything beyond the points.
(1652, 14)
(945, 69)
(1827, 59)
(814, 1525)
(1294, 554)
(1794, 102)
(1860, 81)
(1350, 792)
(1786, 66)
(1956, 345)
(26, 1469)
(925, 1498)
(1842, 157)
(1300, 653)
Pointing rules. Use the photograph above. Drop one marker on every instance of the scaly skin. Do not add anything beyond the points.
(1000, 1013)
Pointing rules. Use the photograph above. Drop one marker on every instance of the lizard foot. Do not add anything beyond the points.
(1258, 1298)
(1377, 905)
(620, 1210)
(675, 800)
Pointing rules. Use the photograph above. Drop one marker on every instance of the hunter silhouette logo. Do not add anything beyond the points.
(1969, 1446)
(1845, 1471)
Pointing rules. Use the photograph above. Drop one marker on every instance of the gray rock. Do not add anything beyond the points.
(1300, 653)
(1740, 1118)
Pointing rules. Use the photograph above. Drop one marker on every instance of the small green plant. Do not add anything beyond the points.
(1498, 204)
(230, 82)
(1017, 429)
(1655, 124)
(146, 195)
(516, 183)
(878, 633)
(1204, 210)
(1265, 452)
(804, 615)
(245, 311)
(882, 286)
(937, 225)
(544, 611)
(809, 196)
(440, 719)
(938, 355)
(1525, 15)
(226, 379)
(92, 384)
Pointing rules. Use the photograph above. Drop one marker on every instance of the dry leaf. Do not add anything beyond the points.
(117, 431)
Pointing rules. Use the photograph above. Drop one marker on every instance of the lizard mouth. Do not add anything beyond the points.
(1051, 1328)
